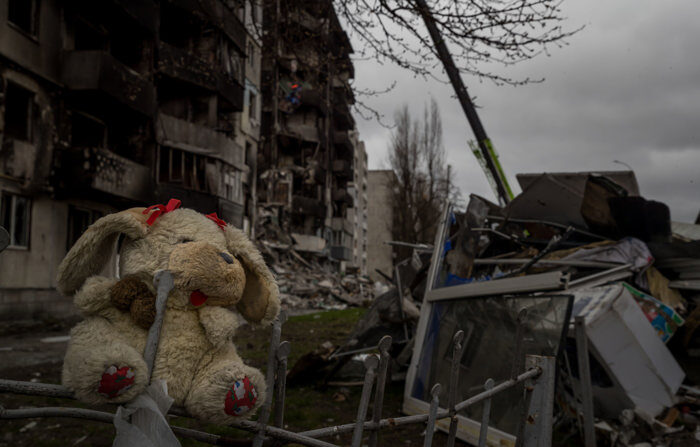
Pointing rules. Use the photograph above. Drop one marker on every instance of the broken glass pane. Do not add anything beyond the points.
(490, 326)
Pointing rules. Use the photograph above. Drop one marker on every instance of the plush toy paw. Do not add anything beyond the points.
(115, 381)
(241, 398)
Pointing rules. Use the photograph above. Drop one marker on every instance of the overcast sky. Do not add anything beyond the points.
(626, 88)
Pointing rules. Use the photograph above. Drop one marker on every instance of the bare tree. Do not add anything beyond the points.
(421, 184)
(479, 33)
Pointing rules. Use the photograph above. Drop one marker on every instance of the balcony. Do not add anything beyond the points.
(101, 170)
(341, 253)
(342, 118)
(343, 145)
(342, 195)
(314, 98)
(342, 224)
(198, 139)
(100, 71)
(188, 67)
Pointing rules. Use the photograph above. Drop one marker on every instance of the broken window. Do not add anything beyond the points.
(14, 216)
(253, 108)
(87, 131)
(79, 219)
(24, 15)
(176, 166)
(19, 105)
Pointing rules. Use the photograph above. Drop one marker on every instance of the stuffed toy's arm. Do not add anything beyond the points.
(94, 296)
(219, 324)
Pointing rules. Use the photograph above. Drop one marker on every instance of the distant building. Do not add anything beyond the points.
(108, 105)
(379, 221)
(308, 165)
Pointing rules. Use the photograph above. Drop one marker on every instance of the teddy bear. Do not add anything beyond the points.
(218, 274)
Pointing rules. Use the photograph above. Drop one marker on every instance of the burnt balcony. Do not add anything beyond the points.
(316, 99)
(341, 224)
(100, 71)
(99, 169)
(198, 139)
(343, 145)
(343, 95)
(342, 195)
(342, 118)
(143, 12)
(186, 66)
(342, 168)
(308, 206)
(341, 253)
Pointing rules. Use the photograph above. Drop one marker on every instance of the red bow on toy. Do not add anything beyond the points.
(220, 222)
(172, 205)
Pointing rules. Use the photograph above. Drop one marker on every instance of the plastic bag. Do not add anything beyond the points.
(142, 423)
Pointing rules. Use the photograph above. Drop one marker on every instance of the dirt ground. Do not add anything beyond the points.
(37, 355)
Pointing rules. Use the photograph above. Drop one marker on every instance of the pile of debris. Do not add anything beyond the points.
(308, 278)
(633, 276)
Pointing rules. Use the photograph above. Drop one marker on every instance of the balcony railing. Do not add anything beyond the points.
(102, 170)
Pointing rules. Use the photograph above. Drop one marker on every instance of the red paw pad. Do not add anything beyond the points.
(116, 381)
(240, 398)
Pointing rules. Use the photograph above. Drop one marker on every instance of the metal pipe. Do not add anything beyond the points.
(432, 415)
(101, 416)
(163, 282)
(414, 419)
(558, 262)
(269, 378)
(384, 357)
(371, 363)
(35, 389)
(457, 351)
(485, 415)
(281, 382)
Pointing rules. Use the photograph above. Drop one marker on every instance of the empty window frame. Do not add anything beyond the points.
(15, 216)
(79, 219)
(87, 131)
(19, 108)
(177, 166)
(24, 14)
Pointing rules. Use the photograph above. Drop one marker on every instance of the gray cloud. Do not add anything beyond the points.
(626, 88)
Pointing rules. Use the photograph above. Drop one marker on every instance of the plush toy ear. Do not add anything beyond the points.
(90, 253)
(260, 301)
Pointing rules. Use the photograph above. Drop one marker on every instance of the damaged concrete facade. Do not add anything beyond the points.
(109, 105)
(312, 165)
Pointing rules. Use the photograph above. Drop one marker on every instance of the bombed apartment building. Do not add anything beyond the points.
(310, 157)
(114, 104)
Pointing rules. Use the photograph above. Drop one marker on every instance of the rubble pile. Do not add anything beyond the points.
(633, 276)
(308, 278)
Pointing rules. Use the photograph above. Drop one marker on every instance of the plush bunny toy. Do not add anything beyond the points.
(217, 271)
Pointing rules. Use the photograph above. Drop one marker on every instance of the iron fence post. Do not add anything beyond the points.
(485, 415)
(537, 425)
(432, 415)
(384, 358)
(371, 366)
(269, 378)
(281, 382)
(457, 351)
